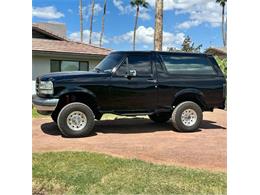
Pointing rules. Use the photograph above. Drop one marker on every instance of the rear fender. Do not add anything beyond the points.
(190, 94)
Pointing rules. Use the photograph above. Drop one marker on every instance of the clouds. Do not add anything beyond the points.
(49, 12)
(95, 37)
(188, 24)
(145, 37)
(88, 9)
(199, 11)
(208, 12)
(128, 9)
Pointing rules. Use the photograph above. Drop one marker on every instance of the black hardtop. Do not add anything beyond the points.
(163, 52)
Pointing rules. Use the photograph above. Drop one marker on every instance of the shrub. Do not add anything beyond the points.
(222, 64)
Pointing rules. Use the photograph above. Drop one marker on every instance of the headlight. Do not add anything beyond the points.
(46, 87)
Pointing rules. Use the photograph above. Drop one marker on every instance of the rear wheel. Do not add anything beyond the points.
(160, 117)
(76, 120)
(187, 116)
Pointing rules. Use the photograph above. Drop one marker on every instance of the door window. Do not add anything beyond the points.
(123, 69)
(140, 63)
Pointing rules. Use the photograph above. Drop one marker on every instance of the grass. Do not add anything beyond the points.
(91, 173)
(35, 114)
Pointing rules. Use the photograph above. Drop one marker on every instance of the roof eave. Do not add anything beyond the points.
(66, 54)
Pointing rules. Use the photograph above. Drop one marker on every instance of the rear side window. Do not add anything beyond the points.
(188, 65)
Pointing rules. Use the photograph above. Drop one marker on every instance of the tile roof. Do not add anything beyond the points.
(222, 50)
(65, 46)
(42, 29)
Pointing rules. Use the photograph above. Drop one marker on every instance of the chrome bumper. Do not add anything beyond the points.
(44, 104)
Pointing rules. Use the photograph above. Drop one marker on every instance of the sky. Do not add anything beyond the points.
(199, 19)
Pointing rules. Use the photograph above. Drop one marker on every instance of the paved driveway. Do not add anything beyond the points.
(143, 139)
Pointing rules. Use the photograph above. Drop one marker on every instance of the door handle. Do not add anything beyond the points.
(152, 80)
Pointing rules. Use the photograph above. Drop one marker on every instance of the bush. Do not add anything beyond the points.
(222, 64)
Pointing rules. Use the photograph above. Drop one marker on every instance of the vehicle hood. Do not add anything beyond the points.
(58, 76)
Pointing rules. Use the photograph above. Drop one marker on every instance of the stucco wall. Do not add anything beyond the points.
(41, 65)
(93, 63)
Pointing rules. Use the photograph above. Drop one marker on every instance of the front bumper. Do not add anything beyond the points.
(44, 104)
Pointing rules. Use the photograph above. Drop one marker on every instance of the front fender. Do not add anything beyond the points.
(76, 90)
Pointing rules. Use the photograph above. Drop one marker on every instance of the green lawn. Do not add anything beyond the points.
(35, 114)
(91, 173)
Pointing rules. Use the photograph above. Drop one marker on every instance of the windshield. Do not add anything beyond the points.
(109, 62)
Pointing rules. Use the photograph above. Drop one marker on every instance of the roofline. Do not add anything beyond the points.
(48, 32)
(108, 49)
(216, 49)
(44, 52)
(168, 52)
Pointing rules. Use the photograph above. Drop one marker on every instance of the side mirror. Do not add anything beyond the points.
(132, 73)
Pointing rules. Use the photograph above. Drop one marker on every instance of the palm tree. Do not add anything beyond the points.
(137, 4)
(91, 20)
(158, 29)
(224, 35)
(103, 23)
(81, 21)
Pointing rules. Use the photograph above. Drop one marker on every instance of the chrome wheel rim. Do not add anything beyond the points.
(189, 117)
(76, 120)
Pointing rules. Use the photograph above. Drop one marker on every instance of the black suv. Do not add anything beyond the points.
(162, 85)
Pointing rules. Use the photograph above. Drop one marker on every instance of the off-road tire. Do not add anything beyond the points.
(66, 111)
(177, 113)
(160, 117)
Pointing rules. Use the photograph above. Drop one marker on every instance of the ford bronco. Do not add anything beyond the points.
(162, 85)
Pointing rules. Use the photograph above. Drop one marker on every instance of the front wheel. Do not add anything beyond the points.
(76, 120)
(160, 117)
(187, 116)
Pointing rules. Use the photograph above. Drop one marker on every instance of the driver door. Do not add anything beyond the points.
(133, 84)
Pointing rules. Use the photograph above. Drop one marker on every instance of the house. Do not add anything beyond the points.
(220, 52)
(53, 52)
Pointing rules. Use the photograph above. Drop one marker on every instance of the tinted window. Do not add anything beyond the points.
(187, 65)
(55, 65)
(140, 63)
(122, 70)
(84, 66)
(159, 65)
(69, 66)
(64, 65)
(109, 62)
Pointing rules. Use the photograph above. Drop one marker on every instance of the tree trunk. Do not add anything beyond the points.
(91, 21)
(158, 29)
(81, 22)
(136, 18)
(223, 26)
(103, 23)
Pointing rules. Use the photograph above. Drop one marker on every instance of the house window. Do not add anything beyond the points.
(66, 65)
